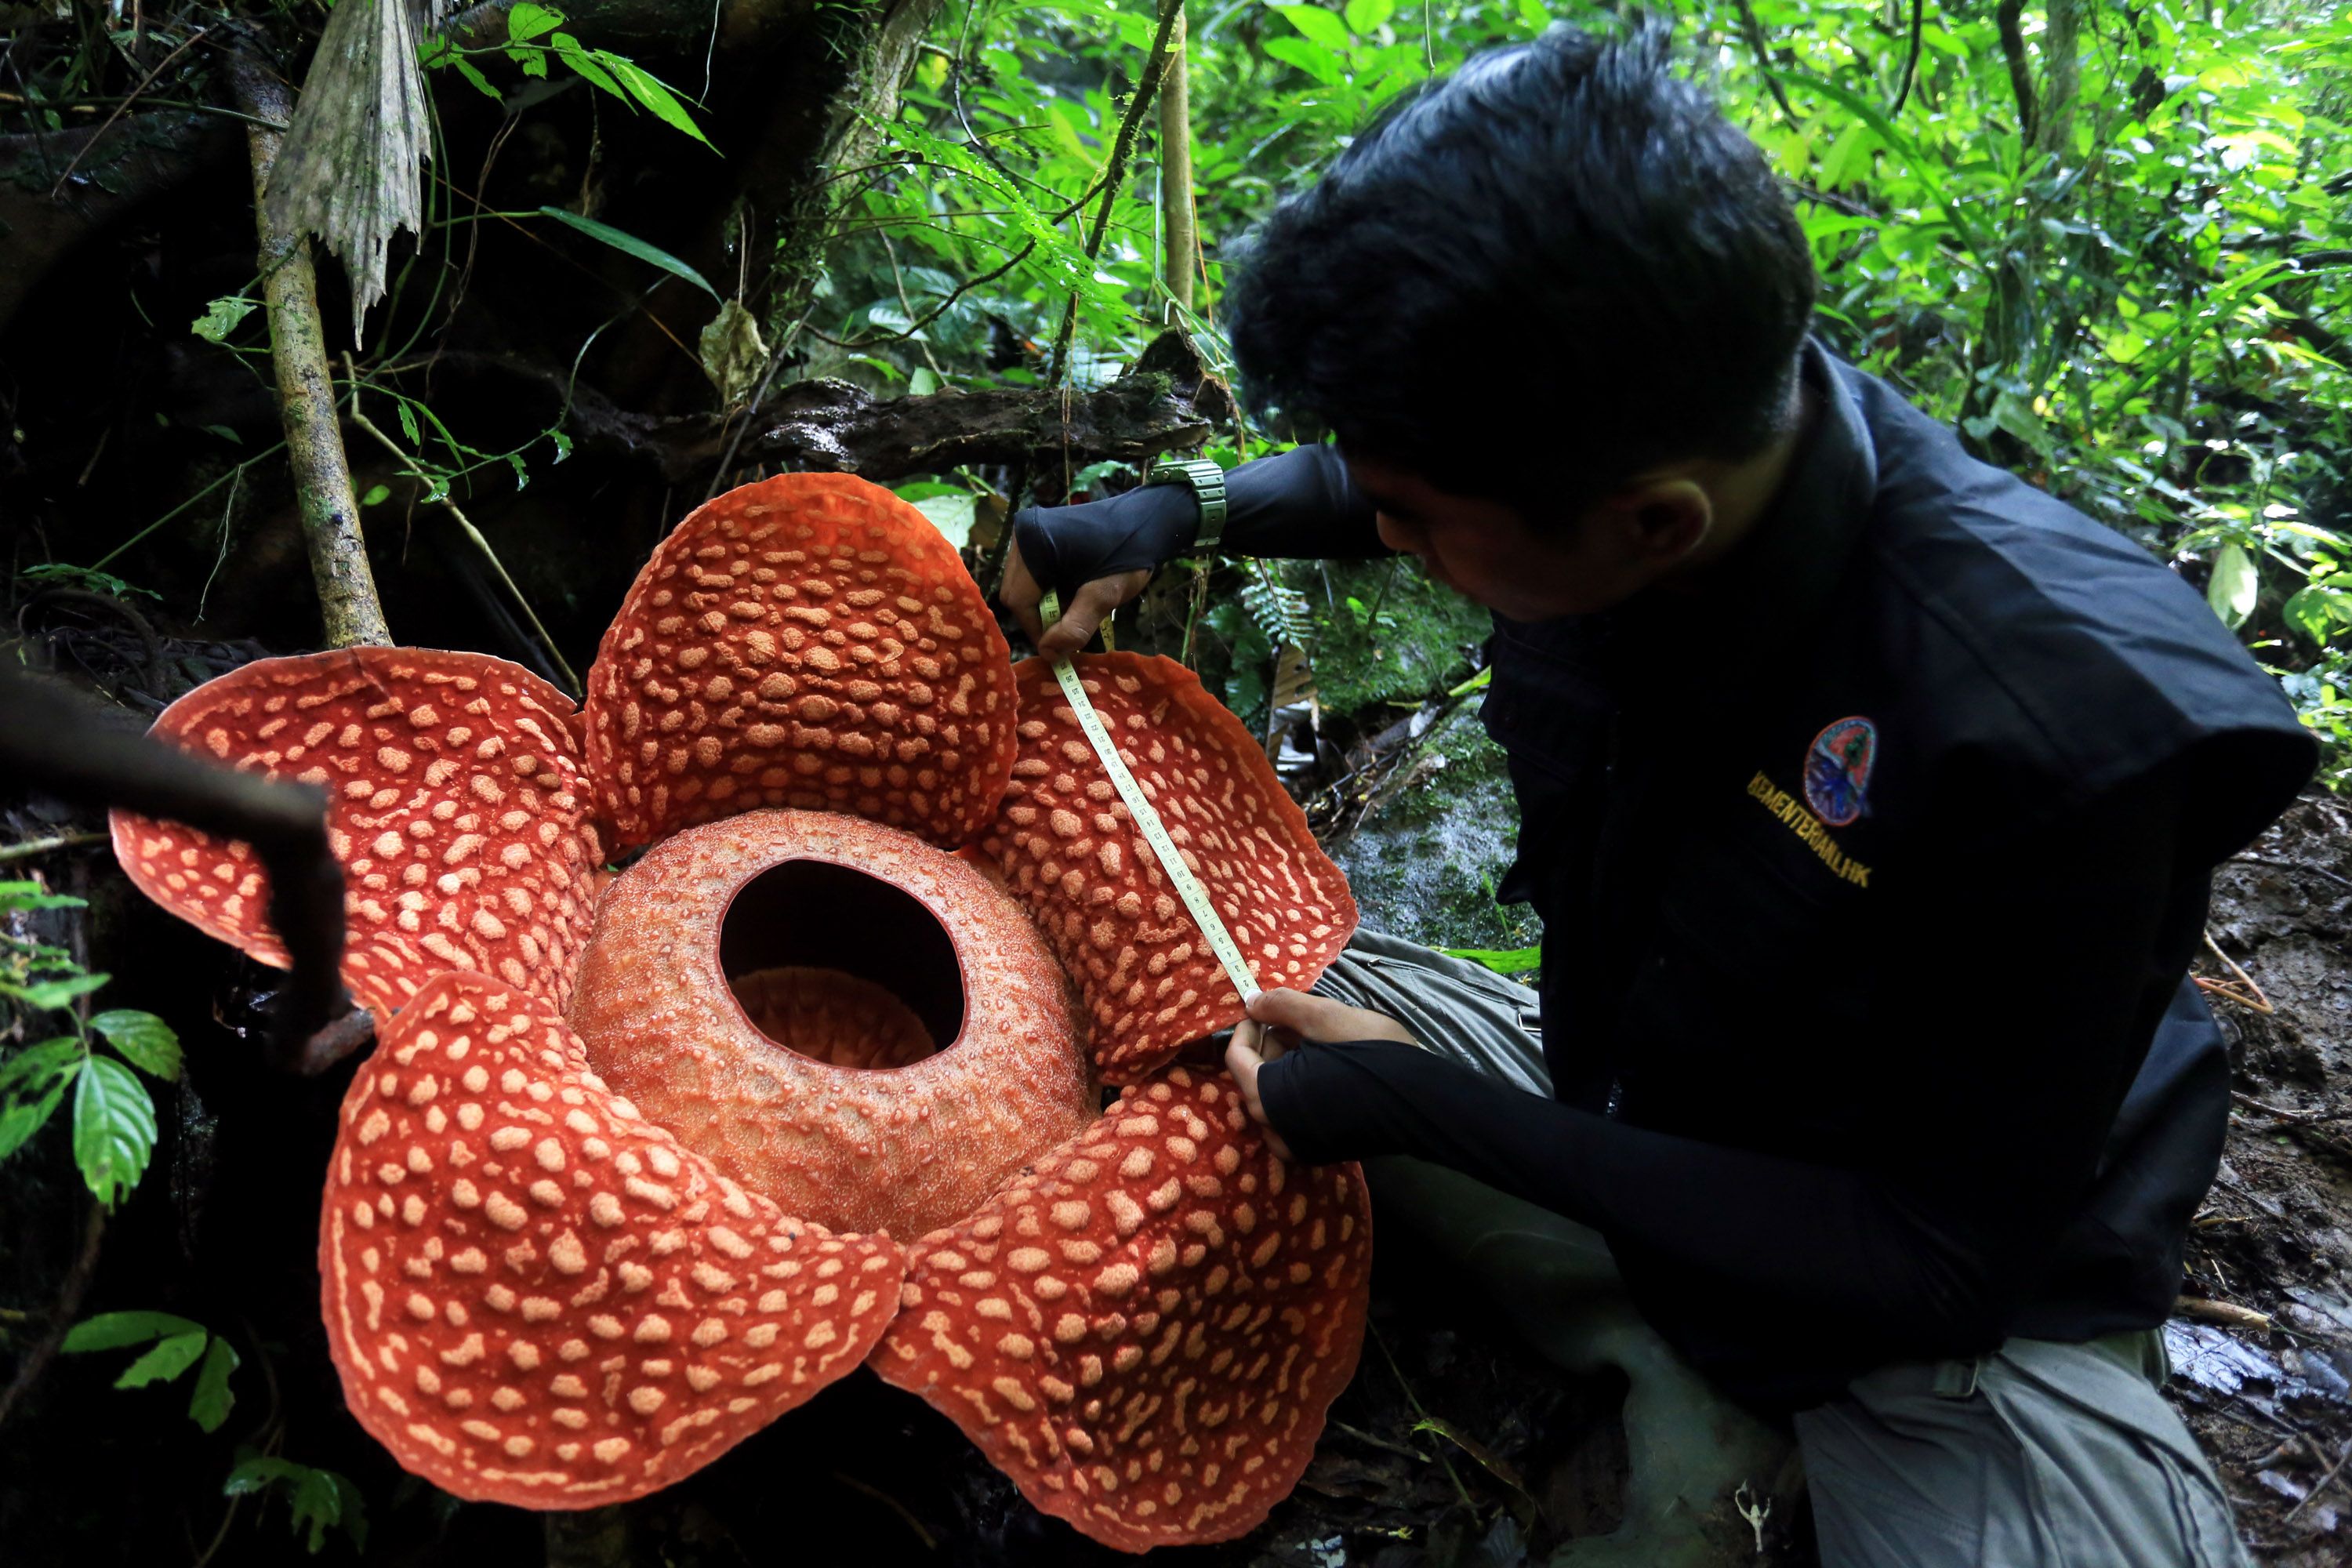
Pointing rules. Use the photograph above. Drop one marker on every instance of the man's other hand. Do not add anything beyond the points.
(1279, 1019)
(1081, 617)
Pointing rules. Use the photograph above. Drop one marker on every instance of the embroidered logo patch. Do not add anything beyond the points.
(1837, 769)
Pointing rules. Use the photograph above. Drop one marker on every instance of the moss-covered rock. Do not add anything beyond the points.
(1426, 863)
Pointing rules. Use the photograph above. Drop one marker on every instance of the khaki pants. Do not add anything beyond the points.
(2039, 1455)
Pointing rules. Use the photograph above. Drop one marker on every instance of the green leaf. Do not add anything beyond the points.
(319, 1498)
(2316, 611)
(255, 1474)
(473, 73)
(951, 515)
(1365, 16)
(54, 992)
(923, 382)
(221, 317)
(580, 60)
(2233, 587)
(32, 1084)
(1311, 58)
(649, 90)
(1317, 25)
(528, 21)
(112, 1331)
(146, 1040)
(1502, 961)
(32, 896)
(376, 495)
(213, 1398)
(632, 244)
(114, 1127)
(168, 1360)
(21, 1117)
(31, 1070)
(94, 581)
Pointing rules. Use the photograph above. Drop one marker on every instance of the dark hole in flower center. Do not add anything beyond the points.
(839, 966)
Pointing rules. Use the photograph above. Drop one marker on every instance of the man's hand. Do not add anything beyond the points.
(1081, 617)
(1278, 1020)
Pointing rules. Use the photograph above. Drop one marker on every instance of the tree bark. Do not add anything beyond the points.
(837, 131)
(348, 604)
(2061, 79)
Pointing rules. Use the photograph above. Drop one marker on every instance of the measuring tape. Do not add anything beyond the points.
(1155, 832)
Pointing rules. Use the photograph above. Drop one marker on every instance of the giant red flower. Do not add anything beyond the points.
(615, 1189)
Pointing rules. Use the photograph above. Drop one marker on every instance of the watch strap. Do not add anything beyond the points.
(1208, 485)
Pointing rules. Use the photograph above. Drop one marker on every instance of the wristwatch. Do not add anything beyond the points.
(1208, 482)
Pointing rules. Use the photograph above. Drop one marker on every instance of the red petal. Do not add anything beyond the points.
(458, 810)
(904, 1148)
(808, 641)
(536, 1297)
(1146, 1330)
(1066, 848)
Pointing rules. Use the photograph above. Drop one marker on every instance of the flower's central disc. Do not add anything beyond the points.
(836, 1013)
(841, 966)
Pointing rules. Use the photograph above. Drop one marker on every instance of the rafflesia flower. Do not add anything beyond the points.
(617, 1187)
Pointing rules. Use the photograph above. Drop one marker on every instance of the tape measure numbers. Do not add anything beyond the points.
(1155, 832)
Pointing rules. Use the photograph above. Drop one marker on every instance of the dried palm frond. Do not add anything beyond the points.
(352, 167)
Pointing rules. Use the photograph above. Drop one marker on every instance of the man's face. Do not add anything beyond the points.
(1526, 569)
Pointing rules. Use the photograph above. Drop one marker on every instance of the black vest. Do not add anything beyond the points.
(1725, 800)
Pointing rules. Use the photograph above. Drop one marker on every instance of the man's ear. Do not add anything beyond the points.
(1664, 519)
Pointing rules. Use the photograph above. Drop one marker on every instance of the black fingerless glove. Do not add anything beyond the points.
(1299, 503)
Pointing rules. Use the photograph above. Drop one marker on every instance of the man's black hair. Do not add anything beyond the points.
(1533, 278)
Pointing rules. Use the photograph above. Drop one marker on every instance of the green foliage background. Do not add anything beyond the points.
(2122, 284)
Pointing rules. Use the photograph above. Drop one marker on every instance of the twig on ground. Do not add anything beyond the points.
(2320, 871)
(2281, 1113)
(2224, 1314)
(1420, 1412)
(1406, 1450)
(2244, 991)
(2324, 1482)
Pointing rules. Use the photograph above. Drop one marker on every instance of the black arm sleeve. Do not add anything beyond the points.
(1298, 503)
(2024, 1005)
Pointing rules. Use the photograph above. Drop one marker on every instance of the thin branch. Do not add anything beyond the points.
(61, 1315)
(1115, 172)
(966, 287)
(1755, 31)
(449, 503)
(1911, 60)
(1181, 247)
(2021, 75)
(2326, 1481)
(899, 279)
(145, 82)
(31, 847)
(54, 740)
